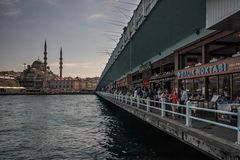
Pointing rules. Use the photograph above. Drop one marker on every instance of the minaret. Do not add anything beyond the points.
(61, 63)
(45, 65)
(45, 56)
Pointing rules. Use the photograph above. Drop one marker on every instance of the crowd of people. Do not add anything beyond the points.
(158, 94)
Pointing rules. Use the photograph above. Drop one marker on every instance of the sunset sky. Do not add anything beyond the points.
(85, 29)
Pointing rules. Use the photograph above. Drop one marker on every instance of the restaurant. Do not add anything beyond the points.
(163, 74)
(210, 70)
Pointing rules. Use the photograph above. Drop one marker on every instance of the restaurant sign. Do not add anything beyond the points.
(229, 65)
(217, 68)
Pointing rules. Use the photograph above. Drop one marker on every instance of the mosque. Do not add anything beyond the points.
(39, 78)
(37, 75)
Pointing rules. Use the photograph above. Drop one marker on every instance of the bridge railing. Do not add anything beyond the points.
(161, 105)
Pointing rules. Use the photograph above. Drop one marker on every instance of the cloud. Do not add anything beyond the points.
(12, 12)
(53, 2)
(97, 16)
(9, 7)
(8, 2)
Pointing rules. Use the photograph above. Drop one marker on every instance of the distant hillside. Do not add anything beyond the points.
(9, 83)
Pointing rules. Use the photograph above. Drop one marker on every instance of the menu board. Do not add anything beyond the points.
(215, 98)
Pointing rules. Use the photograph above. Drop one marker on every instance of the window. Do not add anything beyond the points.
(212, 86)
(236, 85)
(198, 87)
(189, 86)
(224, 85)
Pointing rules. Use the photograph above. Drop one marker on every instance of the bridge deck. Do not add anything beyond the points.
(215, 141)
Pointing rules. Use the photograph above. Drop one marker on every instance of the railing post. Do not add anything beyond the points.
(148, 104)
(138, 101)
(163, 107)
(238, 125)
(131, 100)
(188, 114)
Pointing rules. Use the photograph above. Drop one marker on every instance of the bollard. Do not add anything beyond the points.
(148, 104)
(163, 107)
(188, 114)
(138, 101)
(238, 125)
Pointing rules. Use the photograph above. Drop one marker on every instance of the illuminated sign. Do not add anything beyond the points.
(211, 69)
(225, 66)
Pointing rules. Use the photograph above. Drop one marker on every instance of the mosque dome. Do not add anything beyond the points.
(38, 64)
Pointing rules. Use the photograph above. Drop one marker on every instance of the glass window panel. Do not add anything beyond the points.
(212, 86)
(189, 86)
(224, 85)
(236, 85)
(199, 87)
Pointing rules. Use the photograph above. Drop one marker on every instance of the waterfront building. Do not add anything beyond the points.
(89, 83)
(12, 90)
(39, 78)
(67, 84)
(8, 81)
(192, 47)
(35, 76)
(196, 46)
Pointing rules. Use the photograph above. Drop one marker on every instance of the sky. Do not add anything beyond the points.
(86, 30)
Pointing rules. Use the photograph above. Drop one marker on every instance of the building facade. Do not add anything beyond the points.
(196, 46)
(35, 76)
(65, 85)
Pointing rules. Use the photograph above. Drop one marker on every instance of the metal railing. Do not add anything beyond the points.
(146, 104)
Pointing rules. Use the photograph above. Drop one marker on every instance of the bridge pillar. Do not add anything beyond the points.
(188, 114)
(148, 104)
(131, 100)
(238, 125)
(138, 101)
(163, 106)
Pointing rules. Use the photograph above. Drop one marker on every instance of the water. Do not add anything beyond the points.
(80, 127)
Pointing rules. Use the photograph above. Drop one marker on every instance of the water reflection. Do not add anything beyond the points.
(133, 139)
(79, 127)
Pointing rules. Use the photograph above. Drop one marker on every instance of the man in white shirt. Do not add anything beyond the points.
(184, 96)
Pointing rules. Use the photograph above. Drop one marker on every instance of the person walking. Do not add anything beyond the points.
(174, 100)
(183, 100)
